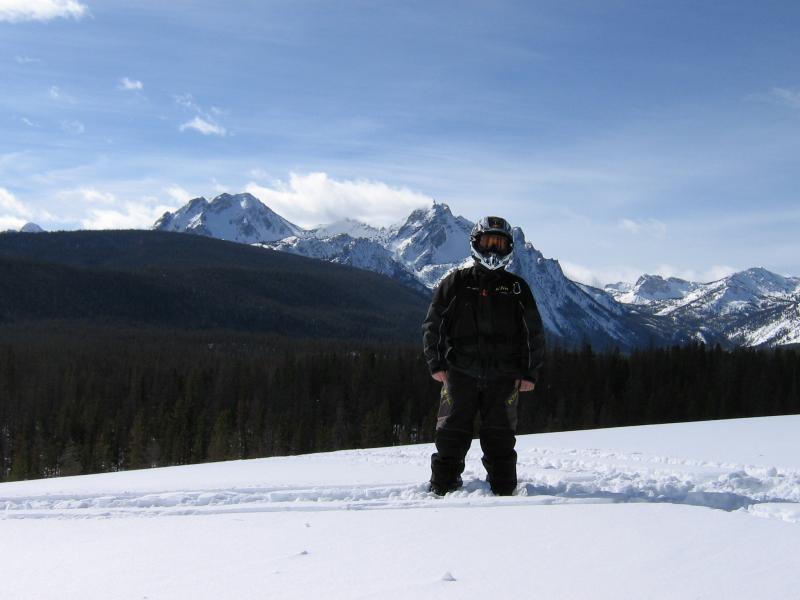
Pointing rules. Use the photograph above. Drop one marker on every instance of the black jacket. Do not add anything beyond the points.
(484, 323)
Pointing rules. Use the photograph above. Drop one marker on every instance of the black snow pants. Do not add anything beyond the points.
(461, 400)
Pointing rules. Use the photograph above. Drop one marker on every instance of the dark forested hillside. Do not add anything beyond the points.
(192, 282)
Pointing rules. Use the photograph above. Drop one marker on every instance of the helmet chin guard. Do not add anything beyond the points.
(491, 258)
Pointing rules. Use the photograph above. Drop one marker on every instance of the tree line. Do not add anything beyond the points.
(97, 400)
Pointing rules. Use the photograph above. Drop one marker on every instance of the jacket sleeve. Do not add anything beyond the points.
(434, 329)
(534, 340)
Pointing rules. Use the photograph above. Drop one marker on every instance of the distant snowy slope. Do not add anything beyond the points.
(749, 308)
(361, 252)
(651, 288)
(692, 510)
(351, 227)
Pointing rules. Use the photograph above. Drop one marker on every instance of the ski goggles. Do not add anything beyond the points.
(494, 242)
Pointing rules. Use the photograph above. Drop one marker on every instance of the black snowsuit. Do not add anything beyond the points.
(484, 329)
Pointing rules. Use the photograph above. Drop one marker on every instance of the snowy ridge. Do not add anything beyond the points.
(749, 308)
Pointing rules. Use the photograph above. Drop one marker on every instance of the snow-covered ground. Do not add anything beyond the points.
(695, 510)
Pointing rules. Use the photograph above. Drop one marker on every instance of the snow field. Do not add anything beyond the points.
(694, 510)
(569, 551)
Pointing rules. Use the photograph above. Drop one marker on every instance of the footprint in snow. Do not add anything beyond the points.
(448, 576)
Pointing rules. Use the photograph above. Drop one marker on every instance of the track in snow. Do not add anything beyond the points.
(547, 476)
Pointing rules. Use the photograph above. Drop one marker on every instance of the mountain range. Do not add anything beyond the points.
(754, 307)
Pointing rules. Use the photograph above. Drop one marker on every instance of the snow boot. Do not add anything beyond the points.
(441, 489)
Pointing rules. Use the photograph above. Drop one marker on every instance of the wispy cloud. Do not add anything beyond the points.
(85, 195)
(29, 123)
(650, 227)
(204, 127)
(73, 127)
(10, 204)
(712, 273)
(600, 277)
(315, 198)
(130, 84)
(14, 11)
(203, 122)
(788, 97)
(56, 93)
(778, 95)
(27, 60)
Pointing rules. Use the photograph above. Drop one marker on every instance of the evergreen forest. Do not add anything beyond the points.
(75, 401)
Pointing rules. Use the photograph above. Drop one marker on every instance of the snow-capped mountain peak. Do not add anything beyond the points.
(431, 236)
(235, 217)
(760, 281)
(651, 288)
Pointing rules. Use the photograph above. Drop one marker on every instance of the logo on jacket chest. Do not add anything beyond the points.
(501, 289)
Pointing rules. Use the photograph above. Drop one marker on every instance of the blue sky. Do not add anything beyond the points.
(623, 137)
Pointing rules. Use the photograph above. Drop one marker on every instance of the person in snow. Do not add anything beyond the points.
(484, 341)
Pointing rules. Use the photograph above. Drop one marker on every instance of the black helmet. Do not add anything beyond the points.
(496, 254)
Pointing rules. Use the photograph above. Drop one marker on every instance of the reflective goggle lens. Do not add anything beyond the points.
(493, 241)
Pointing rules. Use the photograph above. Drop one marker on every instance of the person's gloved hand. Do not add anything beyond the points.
(525, 385)
(440, 376)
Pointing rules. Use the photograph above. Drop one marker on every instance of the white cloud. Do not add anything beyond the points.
(203, 121)
(218, 187)
(94, 196)
(12, 223)
(187, 101)
(599, 277)
(315, 198)
(9, 204)
(129, 215)
(712, 273)
(650, 227)
(203, 126)
(57, 94)
(130, 84)
(258, 174)
(73, 127)
(14, 11)
(179, 194)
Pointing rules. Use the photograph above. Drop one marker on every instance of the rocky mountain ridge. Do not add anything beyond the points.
(750, 308)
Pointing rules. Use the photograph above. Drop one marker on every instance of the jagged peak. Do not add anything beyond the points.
(245, 199)
(195, 201)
